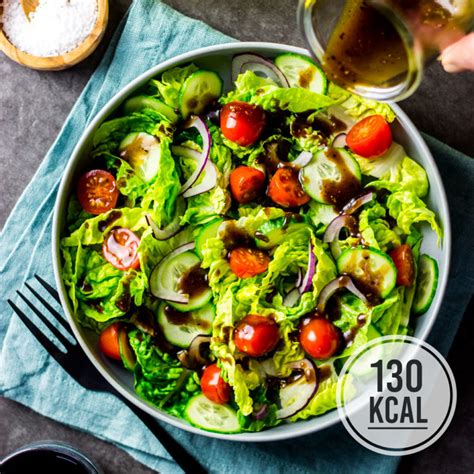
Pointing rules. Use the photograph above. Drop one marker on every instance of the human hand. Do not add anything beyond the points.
(460, 55)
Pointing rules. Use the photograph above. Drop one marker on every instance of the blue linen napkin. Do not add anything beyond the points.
(150, 33)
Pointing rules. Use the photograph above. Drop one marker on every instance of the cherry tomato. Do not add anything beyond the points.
(402, 257)
(286, 190)
(246, 183)
(109, 343)
(242, 123)
(246, 262)
(256, 335)
(370, 138)
(214, 386)
(319, 338)
(97, 192)
(120, 248)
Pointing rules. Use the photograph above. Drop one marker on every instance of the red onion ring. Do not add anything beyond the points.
(357, 202)
(198, 123)
(339, 140)
(335, 285)
(248, 61)
(308, 278)
(337, 224)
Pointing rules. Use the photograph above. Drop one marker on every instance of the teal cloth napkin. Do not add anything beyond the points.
(151, 33)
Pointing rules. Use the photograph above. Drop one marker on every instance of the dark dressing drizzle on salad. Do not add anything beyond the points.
(340, 192)
(109, 220)
(179, 318)
(350, 334)
(194, 281)
(233, 237)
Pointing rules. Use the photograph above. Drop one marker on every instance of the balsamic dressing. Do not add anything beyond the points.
(366, 48)
(340, 192)
(178, 318)
(109, 220)
(233, 237)
(194, 281)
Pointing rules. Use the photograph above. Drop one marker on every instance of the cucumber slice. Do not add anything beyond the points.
(168, 277)
(322, 170)
(209, 231)
(143, 152)
(199, 89)
(426, 284)
(302, 72)
(135, 104)
(373, 270)
(211, 416)
(181, 328)
(274, 232)
(126, 352)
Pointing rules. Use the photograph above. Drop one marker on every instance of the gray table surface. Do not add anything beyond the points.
(33, 107)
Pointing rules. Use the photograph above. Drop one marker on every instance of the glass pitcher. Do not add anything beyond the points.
(378, 48)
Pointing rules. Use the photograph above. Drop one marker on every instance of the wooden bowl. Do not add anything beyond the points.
(64, 61)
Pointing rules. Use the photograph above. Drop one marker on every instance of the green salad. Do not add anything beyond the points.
(232, 248)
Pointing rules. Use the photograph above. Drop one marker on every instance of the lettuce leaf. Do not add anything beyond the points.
(405, 175)
(109, 135)
(407, 208)
(375, 230)
(159, 377)
(294, 100)
(245, 86)
(97, 289)
(265, 93)
(356, 107)
(170, 83)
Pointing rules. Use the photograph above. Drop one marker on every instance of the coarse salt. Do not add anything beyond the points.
(56, 27)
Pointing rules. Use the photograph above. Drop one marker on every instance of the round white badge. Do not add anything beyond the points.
(396, 395)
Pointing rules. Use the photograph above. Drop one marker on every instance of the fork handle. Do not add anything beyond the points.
(184, 460)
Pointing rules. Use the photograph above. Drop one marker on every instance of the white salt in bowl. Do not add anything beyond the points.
(63, 61)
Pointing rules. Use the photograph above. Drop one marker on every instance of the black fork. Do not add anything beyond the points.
(80, 368)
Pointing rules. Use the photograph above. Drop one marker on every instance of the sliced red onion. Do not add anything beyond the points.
(297, 393)
(333, 232)
(308, 278)
(300, 277)
(339, 140)
(291, 298)
(261, 412)
(209, 181)
(302, 159)
(357, 202)
(335, 285)
(198, 123)
(337, 224)
(256, 63)
(173, 227)
(156, 289)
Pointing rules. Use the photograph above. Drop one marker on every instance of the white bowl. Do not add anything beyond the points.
(219, 59)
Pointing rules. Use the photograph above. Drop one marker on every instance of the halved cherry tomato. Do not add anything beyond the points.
(109, 343)
(246, 262)
(370, 138)
(120, 248)
(214, 386)
(285, 188)
(246, 183)
(402, 257)
(319, 338)
(256, 335)
(242, 123)
(97, 192)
